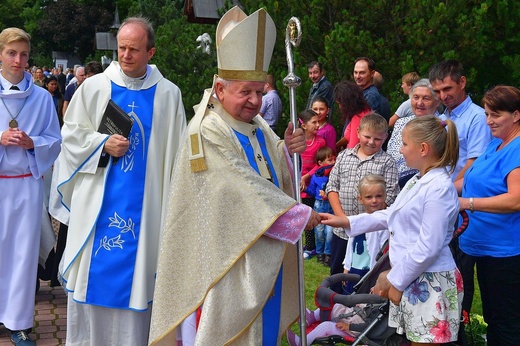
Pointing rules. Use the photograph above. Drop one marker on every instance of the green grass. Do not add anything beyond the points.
(315, 273)
(476, 308)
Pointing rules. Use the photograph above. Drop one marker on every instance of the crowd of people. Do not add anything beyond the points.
(186, 234)
(423, 254)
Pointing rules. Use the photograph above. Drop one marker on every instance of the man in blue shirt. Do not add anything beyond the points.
(449, 84)
(364, 70)
(386, 112)
(271, 109)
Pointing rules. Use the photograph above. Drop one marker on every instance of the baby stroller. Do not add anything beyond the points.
(375, 330)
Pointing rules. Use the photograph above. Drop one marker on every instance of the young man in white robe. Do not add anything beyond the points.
(29, 143)
(228, 244)
(117, 209)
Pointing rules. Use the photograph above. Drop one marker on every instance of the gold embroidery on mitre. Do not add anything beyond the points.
(260, 41)
(254, 76)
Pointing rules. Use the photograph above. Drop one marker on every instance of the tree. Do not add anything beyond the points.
(11, 11)
(159, 12)
(401, 37)
(71, 25)
(181, 62)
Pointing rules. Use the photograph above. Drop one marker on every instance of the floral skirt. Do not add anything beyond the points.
(430, 308)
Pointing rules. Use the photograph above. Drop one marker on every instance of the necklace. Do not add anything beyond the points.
(312, 142)
(13, 123)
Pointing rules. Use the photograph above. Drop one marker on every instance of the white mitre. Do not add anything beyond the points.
(245, 45)
(244, 48)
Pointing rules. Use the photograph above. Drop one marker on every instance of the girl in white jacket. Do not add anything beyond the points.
(425, 285)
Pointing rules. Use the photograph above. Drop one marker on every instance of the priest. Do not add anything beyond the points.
(117, 207)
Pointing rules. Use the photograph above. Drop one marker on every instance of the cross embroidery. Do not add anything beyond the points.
(133, 106)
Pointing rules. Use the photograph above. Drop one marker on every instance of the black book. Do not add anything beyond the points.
(114, 121)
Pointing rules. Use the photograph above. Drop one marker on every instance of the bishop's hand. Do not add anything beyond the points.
(294, 139)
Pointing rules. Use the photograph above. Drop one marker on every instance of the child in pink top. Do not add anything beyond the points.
(326, 130)
(308, 121)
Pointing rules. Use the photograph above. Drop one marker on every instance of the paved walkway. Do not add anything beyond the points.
(50, 318)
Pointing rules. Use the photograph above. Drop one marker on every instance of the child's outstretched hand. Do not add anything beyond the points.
(303, 182)
(303, 186)
(323, 195)
(334, 221)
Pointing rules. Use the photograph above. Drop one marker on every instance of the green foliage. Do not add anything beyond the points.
(181, 62)
(159, 12)
(476, 330)
(403, 36)
(11, 11)
(97, 55)
(60, 25)
(31, 14)
(42, 60)
(71, 25)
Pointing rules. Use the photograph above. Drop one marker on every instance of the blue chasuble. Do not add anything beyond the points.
(118, 225)
(271, 310)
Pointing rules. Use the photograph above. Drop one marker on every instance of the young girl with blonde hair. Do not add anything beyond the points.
(425, 285)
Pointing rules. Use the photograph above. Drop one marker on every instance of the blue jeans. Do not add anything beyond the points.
(322, 233)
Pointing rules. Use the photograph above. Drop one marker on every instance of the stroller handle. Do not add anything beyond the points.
(463, 225)
(359, 298)
(340, 277)
(325, 298)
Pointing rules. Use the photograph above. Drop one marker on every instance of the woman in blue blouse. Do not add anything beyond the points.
(491, 192)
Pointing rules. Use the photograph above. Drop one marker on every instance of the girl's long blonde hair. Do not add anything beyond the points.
(432, 130)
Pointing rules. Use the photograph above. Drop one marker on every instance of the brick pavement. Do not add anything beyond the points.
(50, 318)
